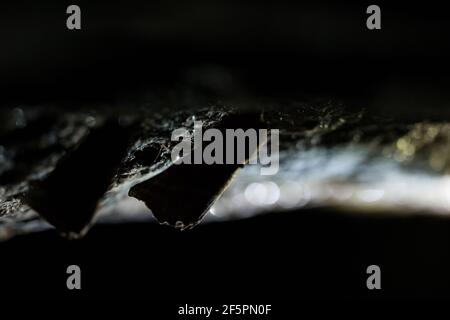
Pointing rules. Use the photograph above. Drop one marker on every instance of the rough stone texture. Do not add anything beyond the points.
(329, 155)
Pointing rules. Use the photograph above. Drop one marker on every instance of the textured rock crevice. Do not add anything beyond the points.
(70, 165)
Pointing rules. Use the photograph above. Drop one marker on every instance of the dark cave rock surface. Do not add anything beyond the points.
(182, 194)
(67, 187)
(68, 197)
(65, 163)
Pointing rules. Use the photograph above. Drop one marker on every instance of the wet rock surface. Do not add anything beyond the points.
(69, 166)
(196, 187)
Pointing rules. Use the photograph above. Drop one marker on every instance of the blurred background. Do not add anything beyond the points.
(274, 48)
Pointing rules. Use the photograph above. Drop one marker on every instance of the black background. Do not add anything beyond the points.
(275, 48)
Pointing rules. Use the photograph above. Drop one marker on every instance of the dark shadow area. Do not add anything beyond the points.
(275, 48)
(310, 254)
